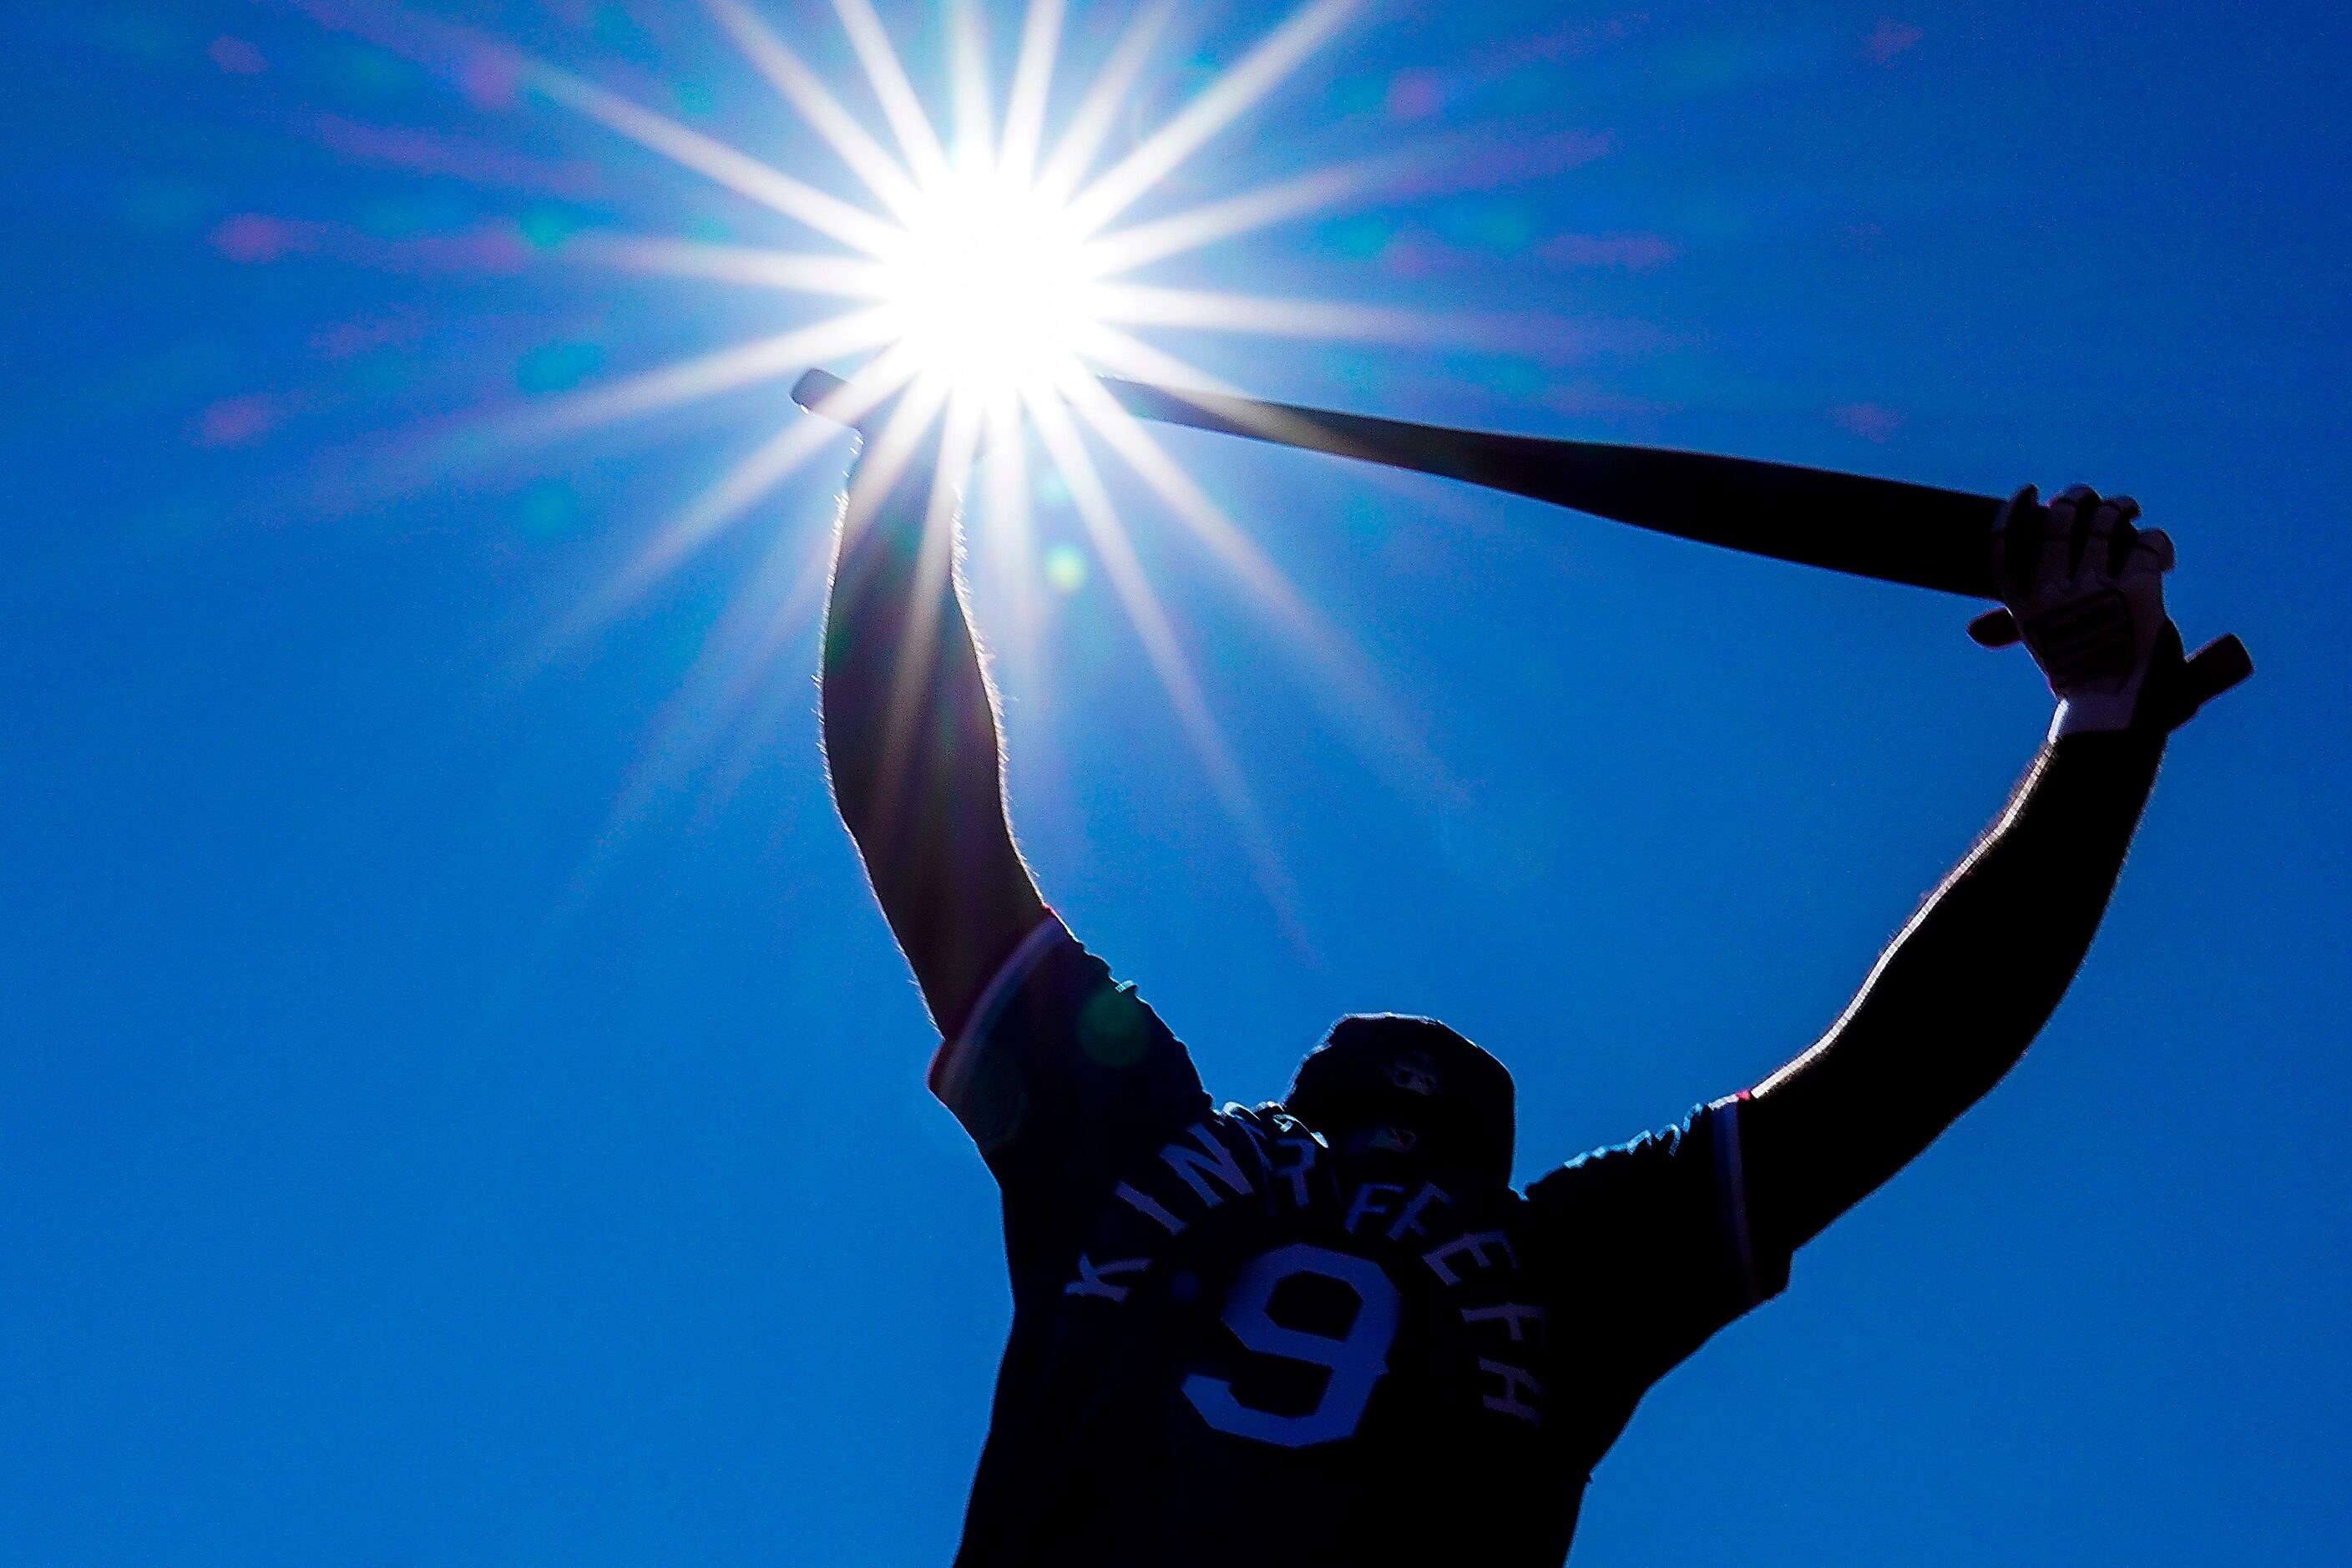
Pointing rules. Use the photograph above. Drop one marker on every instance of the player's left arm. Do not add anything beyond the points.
(1963, 990)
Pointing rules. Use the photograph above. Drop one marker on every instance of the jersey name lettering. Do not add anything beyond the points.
(1226, 1158)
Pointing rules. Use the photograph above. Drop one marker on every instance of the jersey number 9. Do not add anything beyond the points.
(1355, 1360)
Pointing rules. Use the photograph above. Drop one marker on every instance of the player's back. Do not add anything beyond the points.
(1233, 1346)
(1310, 1367)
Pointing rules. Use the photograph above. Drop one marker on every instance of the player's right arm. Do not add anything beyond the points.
(1059, 1073)
(911, 734)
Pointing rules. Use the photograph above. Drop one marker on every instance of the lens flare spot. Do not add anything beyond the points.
(1065, 569)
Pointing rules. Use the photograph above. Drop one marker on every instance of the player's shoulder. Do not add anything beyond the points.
(1624, 1171)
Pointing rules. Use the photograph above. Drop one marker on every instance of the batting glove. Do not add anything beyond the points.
(2086, 589)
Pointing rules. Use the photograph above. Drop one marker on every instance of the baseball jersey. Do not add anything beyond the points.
(1229, 1348)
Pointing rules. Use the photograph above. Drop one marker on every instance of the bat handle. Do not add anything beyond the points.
(2213, 670)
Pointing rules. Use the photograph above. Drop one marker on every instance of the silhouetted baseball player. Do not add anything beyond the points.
(1327, 1331)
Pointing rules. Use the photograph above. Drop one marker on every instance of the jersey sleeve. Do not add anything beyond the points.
(1061, 1075)
(1652, 1243)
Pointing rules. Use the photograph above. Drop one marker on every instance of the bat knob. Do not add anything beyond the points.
(817, 388)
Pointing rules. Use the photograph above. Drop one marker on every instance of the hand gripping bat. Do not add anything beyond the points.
(1887, 529)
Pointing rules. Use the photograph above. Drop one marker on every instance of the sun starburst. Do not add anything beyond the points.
(991, 288)
(993, 277)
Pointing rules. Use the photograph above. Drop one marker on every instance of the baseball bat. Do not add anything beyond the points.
(1887, 529)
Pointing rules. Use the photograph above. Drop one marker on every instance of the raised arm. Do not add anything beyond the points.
(1961, 993)
(911, 733)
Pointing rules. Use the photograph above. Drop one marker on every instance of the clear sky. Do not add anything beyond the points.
(459, 1106)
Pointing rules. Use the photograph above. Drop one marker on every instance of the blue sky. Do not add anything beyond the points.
(459, 1106)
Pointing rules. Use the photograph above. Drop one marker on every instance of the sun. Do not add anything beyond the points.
(996, 269)
(991, 271)
(989, 292)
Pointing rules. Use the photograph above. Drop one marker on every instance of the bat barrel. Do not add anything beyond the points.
(1887, 529)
